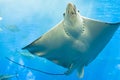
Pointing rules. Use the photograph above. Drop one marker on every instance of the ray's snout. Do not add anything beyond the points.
(71, 9)
(70, 4)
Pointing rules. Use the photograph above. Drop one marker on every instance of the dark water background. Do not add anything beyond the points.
(23, 21)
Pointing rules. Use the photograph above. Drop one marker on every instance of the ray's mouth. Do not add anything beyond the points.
(71, 9)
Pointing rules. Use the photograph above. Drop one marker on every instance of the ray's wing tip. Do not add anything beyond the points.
(117, 23)
(25, 47)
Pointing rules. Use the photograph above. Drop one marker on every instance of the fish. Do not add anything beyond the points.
(74, 42)
(12, 28)
(7, 77)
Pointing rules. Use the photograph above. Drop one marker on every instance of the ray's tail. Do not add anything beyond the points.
(32, 69)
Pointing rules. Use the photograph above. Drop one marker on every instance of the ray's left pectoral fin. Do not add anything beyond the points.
(33, 43)
(80, 71)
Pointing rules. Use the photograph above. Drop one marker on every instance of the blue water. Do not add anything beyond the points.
(23, 21)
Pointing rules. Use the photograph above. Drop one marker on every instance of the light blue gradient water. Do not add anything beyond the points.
(23, 21)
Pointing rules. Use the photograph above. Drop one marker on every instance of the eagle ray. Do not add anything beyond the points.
(74, 42)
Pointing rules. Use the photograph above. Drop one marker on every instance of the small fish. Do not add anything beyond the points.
(7, 77)
(26, 54)
(12, 28)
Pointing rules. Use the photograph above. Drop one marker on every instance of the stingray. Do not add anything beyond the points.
(74, 42)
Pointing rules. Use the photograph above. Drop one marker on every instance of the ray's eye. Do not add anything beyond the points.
(63, 14)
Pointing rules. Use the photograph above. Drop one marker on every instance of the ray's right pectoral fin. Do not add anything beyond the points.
(80, 71)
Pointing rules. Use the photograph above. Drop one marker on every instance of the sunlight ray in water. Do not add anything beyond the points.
(12, 58)
(21, 62)
(1, 18)
(30, 76)
(118, 66)
(1, 29)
